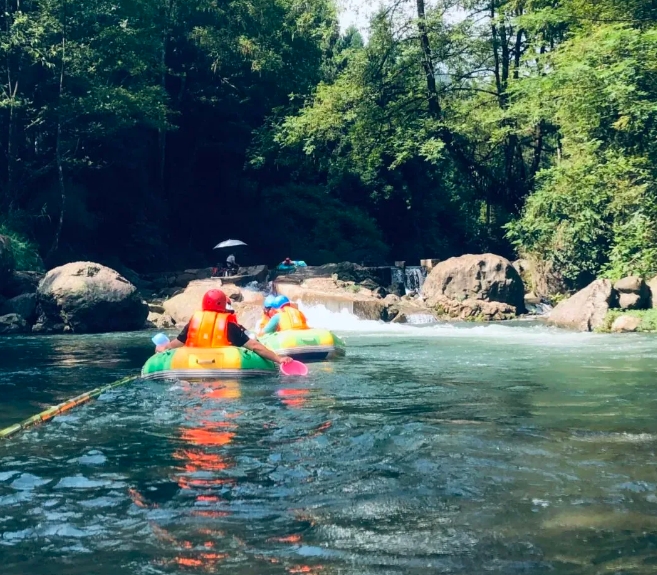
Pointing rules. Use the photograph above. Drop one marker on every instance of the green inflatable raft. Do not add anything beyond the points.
(305, 344)
(206, 363)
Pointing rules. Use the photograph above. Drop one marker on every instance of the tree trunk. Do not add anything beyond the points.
(162, 132)
(58, 146)
(427, 60)
(12, 87)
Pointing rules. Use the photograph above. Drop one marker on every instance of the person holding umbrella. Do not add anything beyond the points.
(232, 266)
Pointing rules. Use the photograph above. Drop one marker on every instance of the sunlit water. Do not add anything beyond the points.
(440, 449)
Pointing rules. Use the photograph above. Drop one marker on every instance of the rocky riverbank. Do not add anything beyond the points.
(628, 305)
(86, 297)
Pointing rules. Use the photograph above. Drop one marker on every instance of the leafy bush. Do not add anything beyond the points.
(594, 211)
(25, 251)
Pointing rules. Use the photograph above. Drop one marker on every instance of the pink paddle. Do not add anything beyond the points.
(294, 368)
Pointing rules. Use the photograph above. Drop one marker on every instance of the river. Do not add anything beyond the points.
(500, 449)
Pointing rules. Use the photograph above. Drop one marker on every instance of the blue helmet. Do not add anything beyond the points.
(280, 301)
(270, 300)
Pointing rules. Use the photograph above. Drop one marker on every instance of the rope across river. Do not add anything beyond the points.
(51, 412)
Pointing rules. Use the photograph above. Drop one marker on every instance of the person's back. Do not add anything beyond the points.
(211, 329)
(216, 326)
(291, 318)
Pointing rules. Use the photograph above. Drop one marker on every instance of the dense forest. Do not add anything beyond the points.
(145, 131)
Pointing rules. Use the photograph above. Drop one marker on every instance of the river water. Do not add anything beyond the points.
(504, 449)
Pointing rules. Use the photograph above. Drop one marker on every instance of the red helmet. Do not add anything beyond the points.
(215, 300)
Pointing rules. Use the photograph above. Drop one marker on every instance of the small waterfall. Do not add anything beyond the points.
(397, 275)
(414, 277)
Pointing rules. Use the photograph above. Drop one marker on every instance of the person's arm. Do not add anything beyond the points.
(272, 325)
(256, 347)
(176, 343)
(237, 337)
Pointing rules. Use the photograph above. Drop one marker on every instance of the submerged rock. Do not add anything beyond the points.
(587, 309)
(484, 277)
(85, 297)
(474, 309)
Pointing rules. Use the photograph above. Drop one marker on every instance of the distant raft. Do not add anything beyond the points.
(305, 344)
(205, 363)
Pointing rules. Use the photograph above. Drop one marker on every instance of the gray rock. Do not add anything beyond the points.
(587, 309)
(474, 309)
(485, 277)
(631, 301)
(370, 309)
(22, 282)
(23, 305)
(391, 299)
(13, 323)
(155, 307)
(626, 324)
(631, 284)
(159, 321)
(634, 293)
(86, 297)
(546, 281)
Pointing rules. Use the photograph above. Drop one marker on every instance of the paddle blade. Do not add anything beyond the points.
(294, 368)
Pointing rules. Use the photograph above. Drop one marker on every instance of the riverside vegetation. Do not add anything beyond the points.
(457, 127)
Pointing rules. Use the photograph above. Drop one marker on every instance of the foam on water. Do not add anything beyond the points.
(531, 333)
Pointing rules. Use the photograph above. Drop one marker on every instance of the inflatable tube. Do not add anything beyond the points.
(205, 363)
(305, 344)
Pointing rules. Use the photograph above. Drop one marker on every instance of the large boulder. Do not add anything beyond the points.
(485, 277)
(85, 297)
(587, 309)
(633, 293)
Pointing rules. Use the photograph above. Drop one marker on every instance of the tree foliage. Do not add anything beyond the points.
(148, 130)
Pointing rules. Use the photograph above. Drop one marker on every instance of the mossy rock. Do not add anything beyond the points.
(648, 320)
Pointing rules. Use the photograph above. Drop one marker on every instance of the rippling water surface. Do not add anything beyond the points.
(466, 450)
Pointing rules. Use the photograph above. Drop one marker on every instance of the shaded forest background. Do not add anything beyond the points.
(145, 131)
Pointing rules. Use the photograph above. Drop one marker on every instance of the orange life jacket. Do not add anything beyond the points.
(209, 329)
(291, 318)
